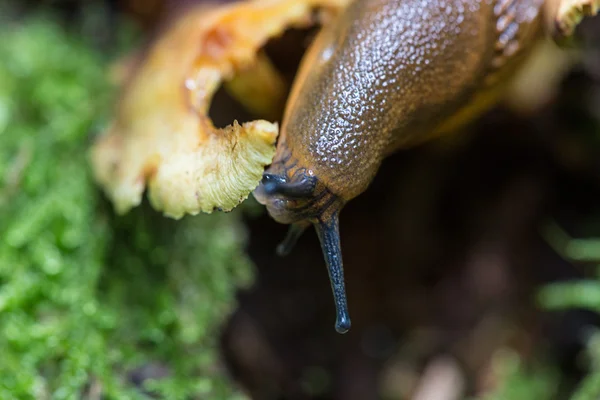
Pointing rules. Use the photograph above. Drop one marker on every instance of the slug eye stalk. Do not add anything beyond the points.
(329, 236)
(328, 233)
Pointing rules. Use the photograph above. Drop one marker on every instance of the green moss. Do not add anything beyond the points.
(578, 294)
(520, 382)
(85, 297)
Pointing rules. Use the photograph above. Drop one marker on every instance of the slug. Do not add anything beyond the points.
(385, 75)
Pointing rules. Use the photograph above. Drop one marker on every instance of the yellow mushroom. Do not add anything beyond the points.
(162, 138)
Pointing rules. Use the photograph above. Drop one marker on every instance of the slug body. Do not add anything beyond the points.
(386, 75)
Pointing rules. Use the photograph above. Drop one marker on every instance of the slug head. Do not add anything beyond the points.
(294, 195)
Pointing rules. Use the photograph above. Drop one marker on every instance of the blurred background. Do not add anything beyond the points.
(471, 266)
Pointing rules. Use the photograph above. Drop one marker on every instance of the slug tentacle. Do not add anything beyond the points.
(285, 247)
(328, 232)
(274, 184)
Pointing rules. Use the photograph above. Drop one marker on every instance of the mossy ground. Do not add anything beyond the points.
(86, 297)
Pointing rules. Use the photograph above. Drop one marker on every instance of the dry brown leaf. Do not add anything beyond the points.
(162, 136)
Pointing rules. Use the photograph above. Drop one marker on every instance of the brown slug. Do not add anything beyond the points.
(385, 75)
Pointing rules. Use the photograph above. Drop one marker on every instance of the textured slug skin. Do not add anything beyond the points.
(390, 74)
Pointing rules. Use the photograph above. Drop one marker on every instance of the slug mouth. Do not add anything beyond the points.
(301, 200)
(288, 201)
